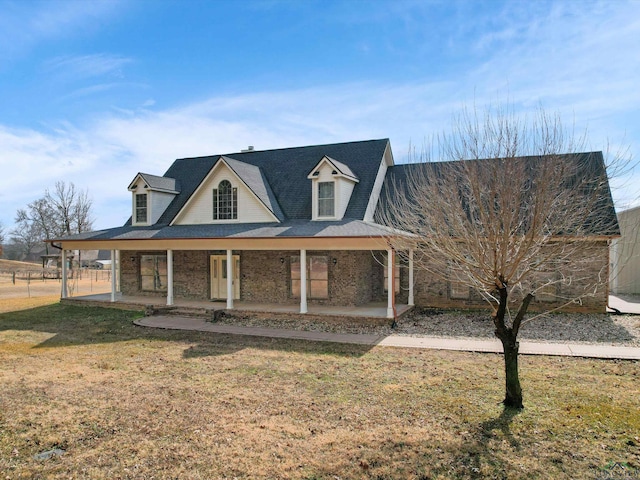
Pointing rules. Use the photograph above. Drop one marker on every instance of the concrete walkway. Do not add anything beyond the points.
(465, 345)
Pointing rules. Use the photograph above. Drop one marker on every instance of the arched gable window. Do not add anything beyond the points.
(225, 201)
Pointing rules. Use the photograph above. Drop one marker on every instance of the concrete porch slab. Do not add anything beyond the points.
(370, 310)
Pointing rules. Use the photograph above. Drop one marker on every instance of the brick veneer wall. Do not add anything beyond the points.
(586, 279)
(190, 274)
(355, 279)
(265, 278)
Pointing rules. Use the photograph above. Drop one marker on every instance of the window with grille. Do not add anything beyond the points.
(141, 208)
(317, 276)
(459, 290)
(153, 273)
(326, 199)
(225, 201)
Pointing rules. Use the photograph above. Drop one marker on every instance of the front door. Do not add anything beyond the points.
(218, 265)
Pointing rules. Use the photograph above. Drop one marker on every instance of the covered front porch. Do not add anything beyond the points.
(327, 276)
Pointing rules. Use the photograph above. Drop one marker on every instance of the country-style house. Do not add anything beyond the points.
(286, 226)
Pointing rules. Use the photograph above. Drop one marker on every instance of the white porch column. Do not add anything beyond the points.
(113, 275)
(303, 281)
(118, 271)
(229, 279)
(64, 292)
(391, 287)
(411, 301)
(169, 277)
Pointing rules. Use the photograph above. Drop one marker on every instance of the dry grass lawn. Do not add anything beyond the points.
(127, 402)
(92, 282)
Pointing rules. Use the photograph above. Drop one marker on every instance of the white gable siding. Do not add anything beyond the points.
(159, 202)
(200, 208)
(387, 161)
(342, 191)
(344, 188)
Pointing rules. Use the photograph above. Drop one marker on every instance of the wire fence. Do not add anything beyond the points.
(48, 281)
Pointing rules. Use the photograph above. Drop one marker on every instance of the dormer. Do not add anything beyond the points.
(332, 184)
(232, 192)
(151, 195)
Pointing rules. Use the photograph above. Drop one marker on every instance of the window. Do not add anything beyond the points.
(547, 291)
(153, 273)
(317, 276)
(458, 290)
(326, 199)
(141, 208)
(545, 280)
(225, 201)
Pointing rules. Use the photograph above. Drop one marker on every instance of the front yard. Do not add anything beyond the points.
(127, 402)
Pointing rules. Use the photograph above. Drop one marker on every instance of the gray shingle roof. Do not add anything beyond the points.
(291, 228)
(164, 184)
(590, 165)
(285, 171)
(342, 168)
(254, 178)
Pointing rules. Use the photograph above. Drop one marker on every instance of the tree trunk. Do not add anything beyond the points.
(510, 346)
(513, 391)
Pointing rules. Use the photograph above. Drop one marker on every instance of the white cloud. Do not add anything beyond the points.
(582, 64)
(23, 25)
(87, 66)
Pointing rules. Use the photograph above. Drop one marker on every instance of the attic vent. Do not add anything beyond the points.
(315, 174)
(334, 173)
(248, 149)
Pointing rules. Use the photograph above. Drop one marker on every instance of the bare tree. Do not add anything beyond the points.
(25, 237)
(62, 211)
(71, 208)
(1, 239)
(37, 219)
(82, 220)
(511, 213)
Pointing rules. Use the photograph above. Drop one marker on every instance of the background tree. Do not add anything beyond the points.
(25, 237)
(37, 220)
(1, 240)
(62, 211)
(71, 208)
(506, 226)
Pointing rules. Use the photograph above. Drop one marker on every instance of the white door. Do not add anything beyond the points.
(218, 265)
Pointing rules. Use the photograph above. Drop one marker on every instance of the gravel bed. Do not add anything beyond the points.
(559, 327)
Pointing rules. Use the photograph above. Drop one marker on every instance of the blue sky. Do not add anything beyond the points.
(93, 92)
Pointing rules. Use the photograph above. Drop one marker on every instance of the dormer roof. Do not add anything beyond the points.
(338, 168)
(156, 183)
(255, 180)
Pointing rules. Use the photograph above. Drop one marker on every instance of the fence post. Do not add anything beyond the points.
(13, 277)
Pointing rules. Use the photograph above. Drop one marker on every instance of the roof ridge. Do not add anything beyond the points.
(285, 148)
